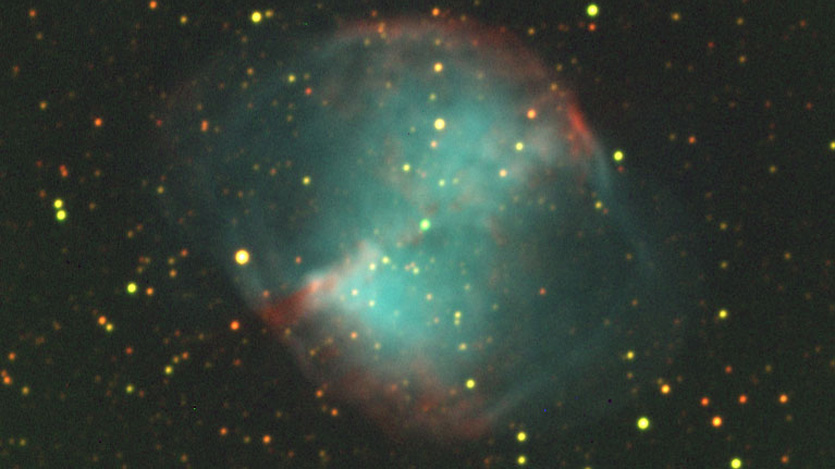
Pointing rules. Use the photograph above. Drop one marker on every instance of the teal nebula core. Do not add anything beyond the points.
(501, 248)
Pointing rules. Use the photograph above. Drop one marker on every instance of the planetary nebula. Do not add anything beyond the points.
(425, 221)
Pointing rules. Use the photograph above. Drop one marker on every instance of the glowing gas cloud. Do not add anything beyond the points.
(432, 229)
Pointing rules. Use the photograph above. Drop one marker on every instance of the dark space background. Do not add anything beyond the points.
(728, 106)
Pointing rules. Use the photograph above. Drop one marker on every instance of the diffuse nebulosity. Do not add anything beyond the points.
(431, 229)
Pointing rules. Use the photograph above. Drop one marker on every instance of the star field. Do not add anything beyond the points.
(461, 235)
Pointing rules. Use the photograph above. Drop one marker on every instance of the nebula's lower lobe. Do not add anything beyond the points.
(433, 230)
